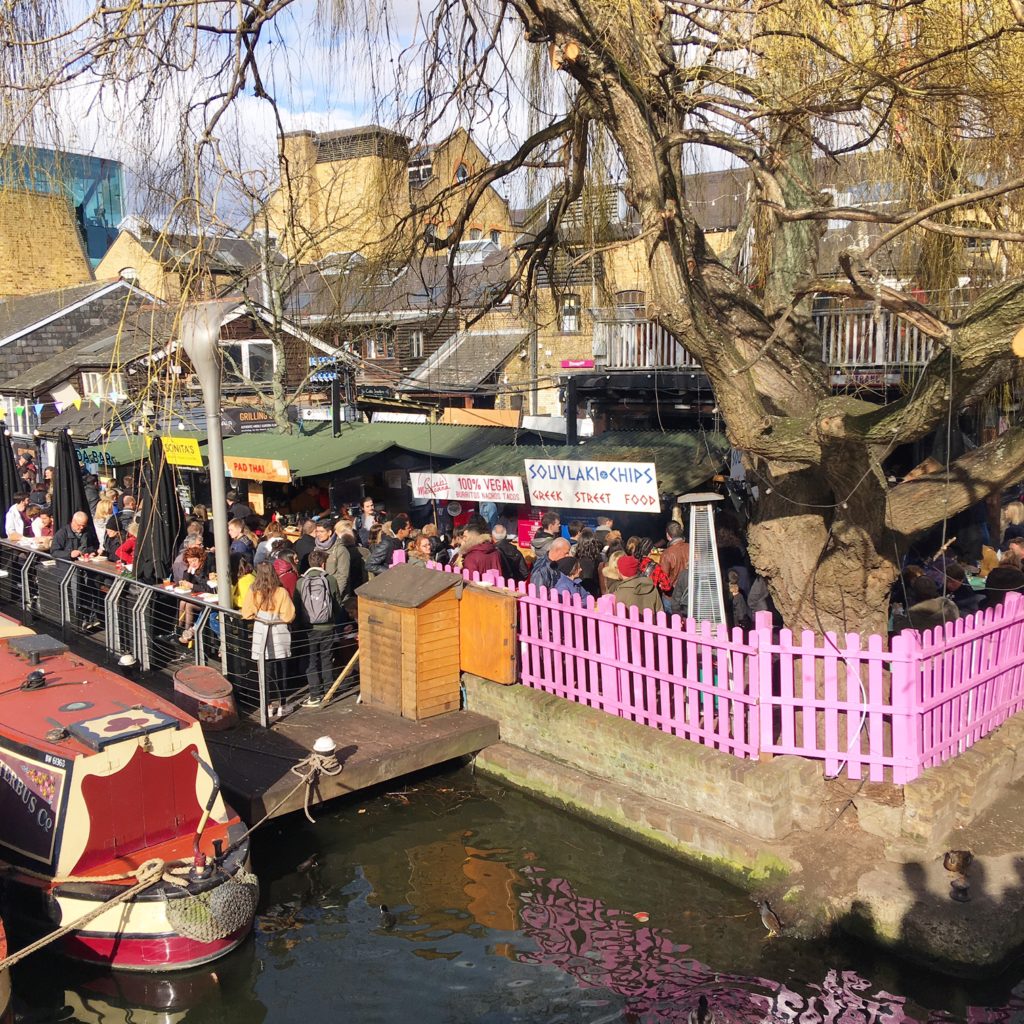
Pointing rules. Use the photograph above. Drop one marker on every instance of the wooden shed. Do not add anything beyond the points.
(409, 641)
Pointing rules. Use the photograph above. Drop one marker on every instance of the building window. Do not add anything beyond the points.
(569, 321)
(249, 361)
(420, 172)
(461, 172)
(475, 234)
(103, 385)
(496, 236)
(17, 422)
(416, 345)
(379, 344)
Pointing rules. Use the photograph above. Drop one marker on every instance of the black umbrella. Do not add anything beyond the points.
(9, 482)
(161, 522)
(68, 486)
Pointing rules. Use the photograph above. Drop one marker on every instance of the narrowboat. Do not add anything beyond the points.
(105, 785)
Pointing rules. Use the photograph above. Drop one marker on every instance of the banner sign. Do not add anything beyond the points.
(617, 486)
(450, 487)
(275, 470)
(182, 451)
(250, 419)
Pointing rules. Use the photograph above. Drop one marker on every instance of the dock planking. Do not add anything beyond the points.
(374, 746)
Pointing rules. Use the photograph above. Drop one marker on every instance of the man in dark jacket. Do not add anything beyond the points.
(380, 556)
(513, 565)
(92, 492)
(70, 543)
(550, 528)
(545, 570)
(305, 544)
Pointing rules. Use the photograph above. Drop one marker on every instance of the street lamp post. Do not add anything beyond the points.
(200, 337)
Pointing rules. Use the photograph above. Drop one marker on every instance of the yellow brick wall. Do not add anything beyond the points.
(40, 246)
(352, 205)
(151, 277)
(491, 212)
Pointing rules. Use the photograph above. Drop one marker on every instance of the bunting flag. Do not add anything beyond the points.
(38, 407)
(77, 403)
(18, 410)
(96, 400)
(59, 406)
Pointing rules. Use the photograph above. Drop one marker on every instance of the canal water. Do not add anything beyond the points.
(505, 910)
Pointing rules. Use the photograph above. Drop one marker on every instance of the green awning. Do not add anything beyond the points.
(123, 451)
(682, 459)
(316, 453)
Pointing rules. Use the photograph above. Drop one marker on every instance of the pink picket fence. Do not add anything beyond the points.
(875, 709)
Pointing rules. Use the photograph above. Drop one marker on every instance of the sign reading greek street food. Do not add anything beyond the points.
(451, 487)
(182, 451)
(238, 468)
(30, 792)
(618, 486)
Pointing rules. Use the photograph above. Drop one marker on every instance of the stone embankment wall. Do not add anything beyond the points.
(865, 857)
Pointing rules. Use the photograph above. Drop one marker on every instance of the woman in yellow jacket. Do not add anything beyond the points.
(270, 608)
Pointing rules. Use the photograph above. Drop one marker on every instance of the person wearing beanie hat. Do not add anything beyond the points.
(113, 538)
(568, 582)
(636, 591)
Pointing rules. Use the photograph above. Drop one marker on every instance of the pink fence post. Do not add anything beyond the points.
(906, 716)
(608, 654)
(761, 685)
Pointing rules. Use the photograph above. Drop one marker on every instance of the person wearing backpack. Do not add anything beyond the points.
(318, 599)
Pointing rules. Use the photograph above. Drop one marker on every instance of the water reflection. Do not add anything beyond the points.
(506, 911)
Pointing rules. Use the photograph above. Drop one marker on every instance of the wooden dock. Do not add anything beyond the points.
(373, 746)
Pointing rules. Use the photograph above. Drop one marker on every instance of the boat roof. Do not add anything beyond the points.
(93, 706)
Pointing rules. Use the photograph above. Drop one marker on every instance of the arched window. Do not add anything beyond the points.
(495, 236)
(474, 234)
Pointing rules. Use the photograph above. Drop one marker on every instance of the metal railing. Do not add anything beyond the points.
(154, 628)
(638, 345)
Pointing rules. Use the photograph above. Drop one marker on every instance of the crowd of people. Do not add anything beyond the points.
(297, 584)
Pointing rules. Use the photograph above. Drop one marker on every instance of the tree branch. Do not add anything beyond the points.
(918, 504)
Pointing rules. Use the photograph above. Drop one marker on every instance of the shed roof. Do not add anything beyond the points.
(466, 360)
(408, 586)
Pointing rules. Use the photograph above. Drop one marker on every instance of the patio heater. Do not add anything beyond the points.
(704, 600)
(200, 338)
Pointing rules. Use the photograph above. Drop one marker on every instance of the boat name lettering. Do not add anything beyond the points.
(57, 762)
(42, 814)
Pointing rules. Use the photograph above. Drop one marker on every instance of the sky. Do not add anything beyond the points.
(319, 83)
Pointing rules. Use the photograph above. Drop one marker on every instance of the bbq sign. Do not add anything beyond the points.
(30, 793)
(616, 486)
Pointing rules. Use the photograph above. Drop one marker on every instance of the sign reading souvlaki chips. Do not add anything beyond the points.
(453, 487)
(616, 486)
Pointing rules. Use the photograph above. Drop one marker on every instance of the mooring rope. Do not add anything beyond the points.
(149, 873)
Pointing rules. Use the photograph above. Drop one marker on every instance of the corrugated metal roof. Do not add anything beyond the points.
(683, 460)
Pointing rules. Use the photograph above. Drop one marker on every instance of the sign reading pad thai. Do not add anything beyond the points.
(454, 487)
(616, 486)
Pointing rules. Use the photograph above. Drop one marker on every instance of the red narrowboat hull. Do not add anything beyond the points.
(150, 952)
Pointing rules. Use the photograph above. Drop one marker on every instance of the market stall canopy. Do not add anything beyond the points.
(316, 453)
(123, 451)
(683, 459)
